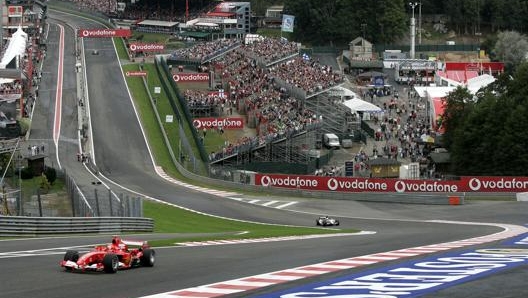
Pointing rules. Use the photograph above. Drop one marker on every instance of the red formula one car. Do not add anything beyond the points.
(110, 258)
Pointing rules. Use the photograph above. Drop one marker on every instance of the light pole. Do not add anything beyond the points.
(420, 23)
(364, 29)
(413, 29)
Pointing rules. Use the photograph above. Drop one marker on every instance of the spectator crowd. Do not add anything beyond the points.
(254, 91)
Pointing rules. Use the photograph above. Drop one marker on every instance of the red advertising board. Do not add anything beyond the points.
(136, 73)
(15, 11)
(105, 33)
(190, 77)
(146, 47)
(494, 184)
(475, 66)
(225, 123)
(347, 184)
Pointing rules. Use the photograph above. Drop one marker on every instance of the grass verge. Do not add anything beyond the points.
(175, 220)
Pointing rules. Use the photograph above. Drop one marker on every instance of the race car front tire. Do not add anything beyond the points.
(71, 255)
(148, 258)
(110, 263)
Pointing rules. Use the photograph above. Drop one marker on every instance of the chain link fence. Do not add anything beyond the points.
(70, 202)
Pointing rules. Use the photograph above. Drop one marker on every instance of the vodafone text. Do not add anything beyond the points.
(191, 77)
(146, 47)
(347, 184)
(104, 32)
(136, 73)
(226, 123)
(512, 184)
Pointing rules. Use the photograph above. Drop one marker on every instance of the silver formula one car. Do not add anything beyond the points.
(326, 221)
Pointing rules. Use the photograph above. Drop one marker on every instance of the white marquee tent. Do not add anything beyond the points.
(16, 47)
(353, 102)
(357, 105)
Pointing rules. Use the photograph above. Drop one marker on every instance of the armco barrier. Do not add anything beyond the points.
(37, 226)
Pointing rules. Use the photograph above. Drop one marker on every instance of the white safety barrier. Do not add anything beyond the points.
(36, 226)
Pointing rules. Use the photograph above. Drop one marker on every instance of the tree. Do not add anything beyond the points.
(486, 134)
(391, 21)
(51, 174)
(457, 105)
(511, 48)
(337, 22)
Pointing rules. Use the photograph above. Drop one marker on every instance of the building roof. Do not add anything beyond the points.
(16, 47)
(382, 161)
(276, 7)
(360, 41)
(195, 34)
(157, 23)
(378, 64)
(220, 14)
(440, 157)
(460, 76)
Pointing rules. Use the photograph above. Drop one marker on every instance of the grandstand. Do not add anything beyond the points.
(154, 26)
(276, 101)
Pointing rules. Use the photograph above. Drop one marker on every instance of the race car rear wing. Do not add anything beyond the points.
(134, 243)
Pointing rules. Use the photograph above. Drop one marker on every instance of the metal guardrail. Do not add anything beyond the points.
(38, 226)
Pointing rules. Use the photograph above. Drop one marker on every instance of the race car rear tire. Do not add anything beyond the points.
(110, 263)
(148, 258)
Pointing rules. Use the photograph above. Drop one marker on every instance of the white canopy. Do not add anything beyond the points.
(357, 105)
(341, 91)
(475, 84)
(16, 47)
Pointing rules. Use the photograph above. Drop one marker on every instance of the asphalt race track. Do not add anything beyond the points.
(30, 266)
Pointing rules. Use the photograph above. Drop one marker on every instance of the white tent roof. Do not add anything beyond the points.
(358, 105)
(341, 91)
(474, 84)
(433, 91)
(16, 47)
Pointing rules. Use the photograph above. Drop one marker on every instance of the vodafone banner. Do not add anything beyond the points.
(146, 47)
(136, 73)
(105, 33)
(494, 184)
(190, 77)
(347, 184)
(225, 123)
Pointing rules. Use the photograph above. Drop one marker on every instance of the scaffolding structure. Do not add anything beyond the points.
(337, 118)
(299, 149)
